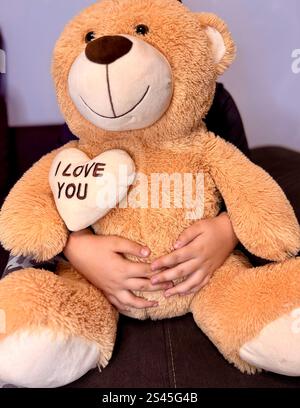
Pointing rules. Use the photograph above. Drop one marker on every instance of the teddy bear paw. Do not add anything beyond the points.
(44, 359)
(277, 346)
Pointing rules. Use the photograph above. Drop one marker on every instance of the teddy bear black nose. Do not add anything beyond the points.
(108, 49)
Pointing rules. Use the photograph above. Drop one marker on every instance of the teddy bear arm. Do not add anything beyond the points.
(29, 221)
(262, 217)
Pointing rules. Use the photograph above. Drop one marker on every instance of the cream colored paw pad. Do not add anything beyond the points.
(277, 347)
(43, 359)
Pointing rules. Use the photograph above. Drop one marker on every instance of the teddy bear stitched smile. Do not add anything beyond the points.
(115, 116)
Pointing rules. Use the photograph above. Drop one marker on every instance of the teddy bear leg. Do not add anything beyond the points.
(252, 315)
(53, 329)
(275, 346)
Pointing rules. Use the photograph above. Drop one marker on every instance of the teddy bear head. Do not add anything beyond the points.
(139, 68)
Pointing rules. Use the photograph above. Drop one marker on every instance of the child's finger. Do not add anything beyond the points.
(146, 285)
(129, 299)
(179, 271)
(136, 269)
(186, 286)
(125, 246)
(118, 305)
(174, 258)
(189, 234)
(199, 287)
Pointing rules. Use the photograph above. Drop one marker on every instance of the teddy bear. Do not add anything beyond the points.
(134, 80)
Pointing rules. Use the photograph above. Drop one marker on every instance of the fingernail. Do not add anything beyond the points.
(167, 294)
(154, 281)
(153, 266)
(177, 244)
(154, 304)
(145, 251)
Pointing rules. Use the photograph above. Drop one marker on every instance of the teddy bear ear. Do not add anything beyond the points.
(222, 45)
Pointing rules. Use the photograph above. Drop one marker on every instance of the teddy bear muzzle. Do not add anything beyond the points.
(121, 83)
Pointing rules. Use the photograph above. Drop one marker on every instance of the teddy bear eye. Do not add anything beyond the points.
(142, 29)
(90, 36)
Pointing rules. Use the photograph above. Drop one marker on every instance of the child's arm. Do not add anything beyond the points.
(100, 259)
(199, 251)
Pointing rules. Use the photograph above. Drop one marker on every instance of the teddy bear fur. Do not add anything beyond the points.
(240, 301)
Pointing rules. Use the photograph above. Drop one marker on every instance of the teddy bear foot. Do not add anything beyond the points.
(277, 346)
(53, 329)
(44, 359)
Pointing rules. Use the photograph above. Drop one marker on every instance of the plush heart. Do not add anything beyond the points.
(85, 190)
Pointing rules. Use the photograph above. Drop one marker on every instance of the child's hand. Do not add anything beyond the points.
(100, 260)
(199, 251)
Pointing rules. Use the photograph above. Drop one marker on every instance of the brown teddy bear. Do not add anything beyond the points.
(134, 80)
